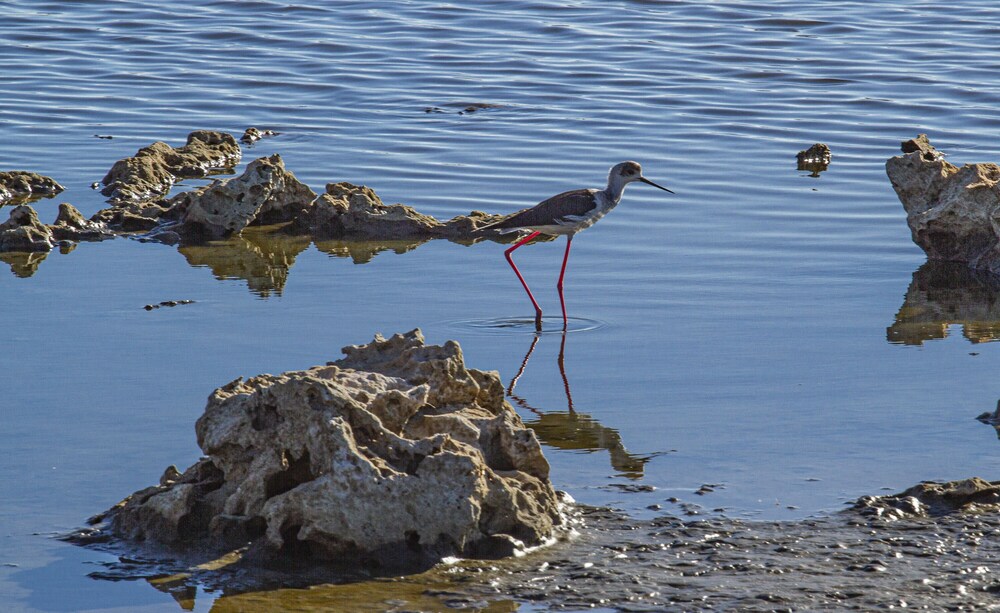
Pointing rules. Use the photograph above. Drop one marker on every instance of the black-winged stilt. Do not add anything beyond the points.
(566, 214)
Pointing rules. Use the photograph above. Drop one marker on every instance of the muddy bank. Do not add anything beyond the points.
(396, 456)
(848, 561)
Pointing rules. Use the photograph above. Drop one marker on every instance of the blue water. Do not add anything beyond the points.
(738, 328)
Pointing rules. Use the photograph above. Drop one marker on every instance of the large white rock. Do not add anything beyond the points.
(396, 454)
(953, 213)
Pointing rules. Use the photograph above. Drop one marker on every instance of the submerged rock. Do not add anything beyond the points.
(951, 211)
(24, 232)
(930, 499)
(396, 455)
(153, 170)
(265, 193)
(22, 186)
(348, 210)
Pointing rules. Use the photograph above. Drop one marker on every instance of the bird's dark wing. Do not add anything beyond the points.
(578, 202)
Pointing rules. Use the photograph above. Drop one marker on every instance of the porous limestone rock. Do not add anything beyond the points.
(353, 211)
(71, 225)
(952, 212)
(23, 232)
(19, 186)
(153, 170)
(930, 499)
(266, 193)
(396, 454)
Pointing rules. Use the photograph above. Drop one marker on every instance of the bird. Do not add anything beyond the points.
(566, 214)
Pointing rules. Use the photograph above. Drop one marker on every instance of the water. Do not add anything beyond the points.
(732, 334)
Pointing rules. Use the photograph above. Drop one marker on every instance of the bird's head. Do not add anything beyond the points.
(627, 172)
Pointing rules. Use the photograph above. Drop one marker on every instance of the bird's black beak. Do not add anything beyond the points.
(645, 180)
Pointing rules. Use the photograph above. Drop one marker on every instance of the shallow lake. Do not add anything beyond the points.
(757, 331)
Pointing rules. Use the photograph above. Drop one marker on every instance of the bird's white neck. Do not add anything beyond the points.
(616, 186)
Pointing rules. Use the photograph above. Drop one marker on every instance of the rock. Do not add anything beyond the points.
(930, 499)
(154, 169)
(252, 135)
(952, 212)
(24, 232)
(130, 217)
(265, 193)
(348, 210)
(815, 159)
(71, 225)
(396, 455)
(22, 186)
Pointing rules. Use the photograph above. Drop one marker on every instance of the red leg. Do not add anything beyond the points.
(538, 310)
(562, 273)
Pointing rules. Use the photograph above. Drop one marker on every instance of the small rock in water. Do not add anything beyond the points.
(815, 159)
(167, 303)
(252, 135)
(23, 232)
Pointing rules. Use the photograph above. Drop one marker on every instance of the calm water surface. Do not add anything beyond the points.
(738, 333)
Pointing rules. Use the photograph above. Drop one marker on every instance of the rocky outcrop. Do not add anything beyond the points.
(953, 213)
(23, 232)
(348, 210)
(152, 171)
(71, 225)
(266, 193)
(931, 499)
(21, 186)
(395, 455)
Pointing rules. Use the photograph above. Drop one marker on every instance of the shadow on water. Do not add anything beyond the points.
(573, 431)
(942, 294)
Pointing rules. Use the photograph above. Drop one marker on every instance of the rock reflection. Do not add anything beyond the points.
(261, 256)
(946, 293)
(23, 264)
(570, 430)
(362, 252)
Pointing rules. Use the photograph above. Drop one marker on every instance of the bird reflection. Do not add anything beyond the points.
(571, 430)
(943, 294)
